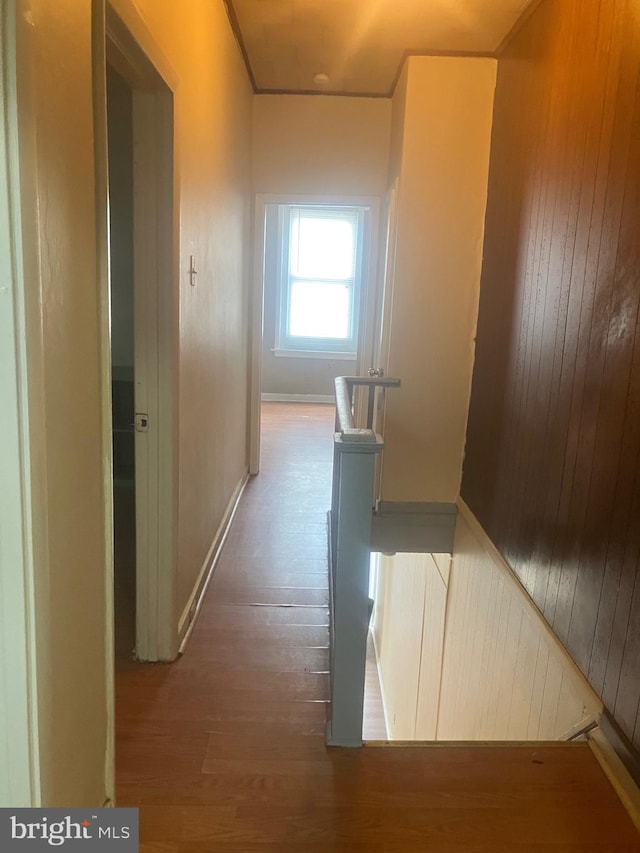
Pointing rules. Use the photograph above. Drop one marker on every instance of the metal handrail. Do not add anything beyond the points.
(345, 420)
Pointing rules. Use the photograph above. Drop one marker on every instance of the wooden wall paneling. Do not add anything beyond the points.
(488, 653)
(451, 657)
(576, 480)
(480, 626)
(522, 693)
(601, 486)
(551, 468)
(508, 142)
(500, 630)
(564, 353)
(568, 704)
(432, 642)
(464, 636)
(597, 458)
(540, 675)
(508, 666)
(537, 127)
(532, 314)
(399, 649)
(622, 556)
(622, 563)
(534, 570)
(551, 695)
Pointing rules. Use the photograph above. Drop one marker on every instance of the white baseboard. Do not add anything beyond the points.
(192, 608)
(298, 398)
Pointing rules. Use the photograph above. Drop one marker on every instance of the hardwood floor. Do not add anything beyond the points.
(224, 749)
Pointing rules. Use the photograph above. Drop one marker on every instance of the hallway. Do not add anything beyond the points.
(224, 749)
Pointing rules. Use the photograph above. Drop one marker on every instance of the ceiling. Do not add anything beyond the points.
(360, 44)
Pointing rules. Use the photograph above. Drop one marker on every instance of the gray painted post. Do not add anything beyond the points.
(351, 517)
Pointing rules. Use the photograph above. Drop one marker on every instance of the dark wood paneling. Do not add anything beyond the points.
(552, 467)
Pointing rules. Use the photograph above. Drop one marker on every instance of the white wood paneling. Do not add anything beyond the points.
(465, 655)
(433, 628)
(409, 631)
(398, 635)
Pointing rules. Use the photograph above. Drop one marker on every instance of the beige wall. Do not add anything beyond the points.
(71, 445)
(396, 137)
(55, 103)
(320, 144)
(315, 145)
(213, 104)
(440, 151)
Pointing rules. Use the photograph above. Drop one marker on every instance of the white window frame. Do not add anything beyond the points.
(290, 346)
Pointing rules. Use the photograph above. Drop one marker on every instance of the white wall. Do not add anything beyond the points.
(442, 115)
(464, 654)
(322, 146)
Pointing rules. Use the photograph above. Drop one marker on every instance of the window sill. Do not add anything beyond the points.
(308, 353)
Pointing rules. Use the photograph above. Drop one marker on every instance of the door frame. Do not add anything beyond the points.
(19, 741)
(132, 52)
(368, 295)
(384, 309)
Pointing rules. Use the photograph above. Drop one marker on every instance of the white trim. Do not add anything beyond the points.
(324, 355)
(298, 398)
(571, 671)
(384, 306)
(255, 333)
(191, 610)
(358, 218)
(19, 741)
(368, 298)
(104, 331)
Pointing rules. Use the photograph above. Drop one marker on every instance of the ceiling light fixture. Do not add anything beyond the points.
(321, 79)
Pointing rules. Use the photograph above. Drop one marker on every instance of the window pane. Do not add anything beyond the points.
(322, 247)
(319, 309)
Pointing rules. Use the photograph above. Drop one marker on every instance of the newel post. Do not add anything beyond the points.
(351, 519)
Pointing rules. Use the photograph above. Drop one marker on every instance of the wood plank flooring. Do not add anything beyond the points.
(224, 749)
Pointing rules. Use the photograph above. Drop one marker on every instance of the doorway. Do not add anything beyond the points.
(120, 146)
(316, 263)
(143, 320)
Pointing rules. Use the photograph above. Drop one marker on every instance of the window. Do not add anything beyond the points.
(320, 272)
